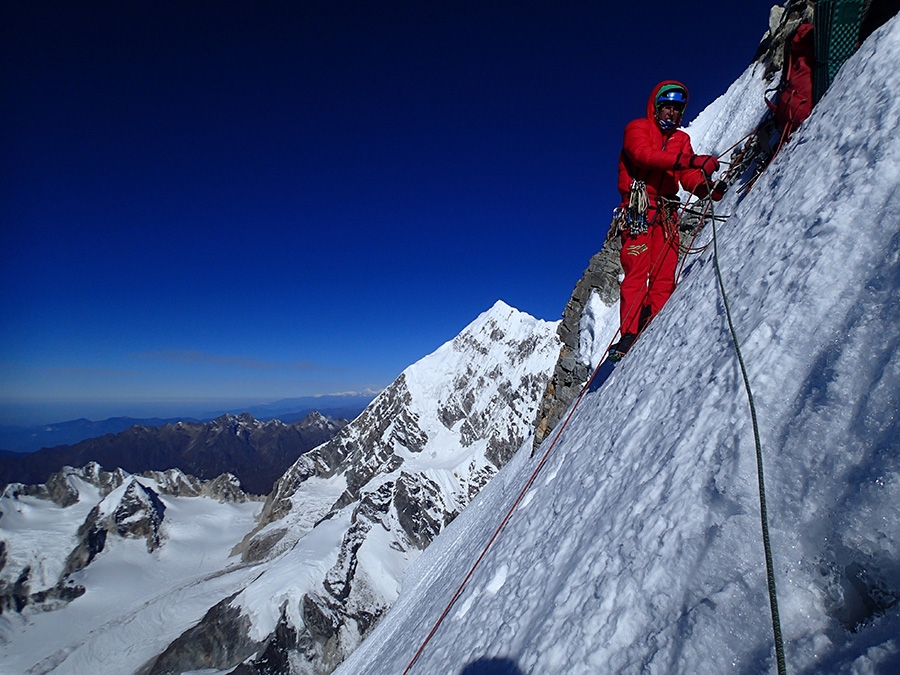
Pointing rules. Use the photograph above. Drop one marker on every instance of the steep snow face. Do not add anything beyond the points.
(638, 547)
(733, 115)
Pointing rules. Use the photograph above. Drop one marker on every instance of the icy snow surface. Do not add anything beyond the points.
(40, 534)
(638, 548)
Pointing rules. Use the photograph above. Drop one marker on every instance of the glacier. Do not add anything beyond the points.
(638, 547)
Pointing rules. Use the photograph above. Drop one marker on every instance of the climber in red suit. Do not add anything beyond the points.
(656, 157)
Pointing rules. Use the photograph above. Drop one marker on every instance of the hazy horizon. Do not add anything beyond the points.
(34, 413)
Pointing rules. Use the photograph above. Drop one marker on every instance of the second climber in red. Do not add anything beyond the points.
(656, 158)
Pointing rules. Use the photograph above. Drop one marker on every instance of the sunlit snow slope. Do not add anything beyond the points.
(638, 548)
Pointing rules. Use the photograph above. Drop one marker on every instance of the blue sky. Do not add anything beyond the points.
(258, 200)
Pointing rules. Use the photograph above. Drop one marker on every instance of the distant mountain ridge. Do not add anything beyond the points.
(256, 452)
(290, 410)
(29, 438)
(25, 439)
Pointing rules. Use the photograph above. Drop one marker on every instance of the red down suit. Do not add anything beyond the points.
(649, 259)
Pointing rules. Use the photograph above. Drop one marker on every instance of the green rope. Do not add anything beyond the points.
(763, 514)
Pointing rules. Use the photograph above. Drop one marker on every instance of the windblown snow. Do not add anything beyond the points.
(638, 548)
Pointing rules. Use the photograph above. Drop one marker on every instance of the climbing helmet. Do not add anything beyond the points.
(671, 93)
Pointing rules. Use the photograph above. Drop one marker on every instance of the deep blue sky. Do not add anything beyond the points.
(257, 200)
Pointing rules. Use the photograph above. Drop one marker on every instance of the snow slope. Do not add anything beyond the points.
(638, 548)
(358, 510)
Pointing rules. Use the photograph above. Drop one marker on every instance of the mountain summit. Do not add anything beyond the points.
(345, 521)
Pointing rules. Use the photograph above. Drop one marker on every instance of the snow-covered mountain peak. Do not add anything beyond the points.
(236, 424)
(316, 419)
(345, 521)
(501, 324)
(471, 385)
(65, 487)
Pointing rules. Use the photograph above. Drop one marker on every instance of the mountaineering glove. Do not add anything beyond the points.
(706, 163)
(718, 190)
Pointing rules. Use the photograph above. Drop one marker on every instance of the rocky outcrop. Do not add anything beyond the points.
(420, 510)
(783, 21)
(61, 487)
(225, 488)
(16, 596)
(571, 371)
(130, 510)
(359, 451)
(218, 641)
(134, 513)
